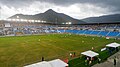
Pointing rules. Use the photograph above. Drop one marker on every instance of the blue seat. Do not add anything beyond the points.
(62, 31)
(118, 35)
(88, 32)
(81, 31)
(68, 31)
(95, 32)
(75, 31)
(113, 34)
(103, 33)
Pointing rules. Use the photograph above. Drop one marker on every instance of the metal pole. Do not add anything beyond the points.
(0, 13)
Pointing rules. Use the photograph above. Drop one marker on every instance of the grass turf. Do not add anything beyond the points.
(22, 50)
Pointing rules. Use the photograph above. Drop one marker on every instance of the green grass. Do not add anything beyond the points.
(80, 61)
(22, 50)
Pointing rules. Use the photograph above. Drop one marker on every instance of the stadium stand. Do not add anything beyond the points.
(94, 32)
(8, 28)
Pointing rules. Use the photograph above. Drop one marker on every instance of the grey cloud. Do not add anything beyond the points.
(16, 3)
(63, 2)
(112, 5)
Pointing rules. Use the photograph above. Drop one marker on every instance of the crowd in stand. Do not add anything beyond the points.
(36, 28)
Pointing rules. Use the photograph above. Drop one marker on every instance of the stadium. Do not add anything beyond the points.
(53, 39)
(28, 41)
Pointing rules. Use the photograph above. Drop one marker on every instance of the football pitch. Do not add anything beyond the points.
(17, 51)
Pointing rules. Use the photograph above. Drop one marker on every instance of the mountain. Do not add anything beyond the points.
(49, 16)
(103, 19)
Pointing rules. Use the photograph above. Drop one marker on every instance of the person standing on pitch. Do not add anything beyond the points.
(115, 61)
(42, 58)
(70, 54)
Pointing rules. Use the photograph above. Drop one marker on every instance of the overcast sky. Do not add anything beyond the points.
(75, 8)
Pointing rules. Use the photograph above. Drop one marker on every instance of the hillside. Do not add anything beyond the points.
(103, 19)
(49, 16)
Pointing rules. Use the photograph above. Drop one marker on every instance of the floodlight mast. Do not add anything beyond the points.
(56, 23)
(18, 19)
(0, 12)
